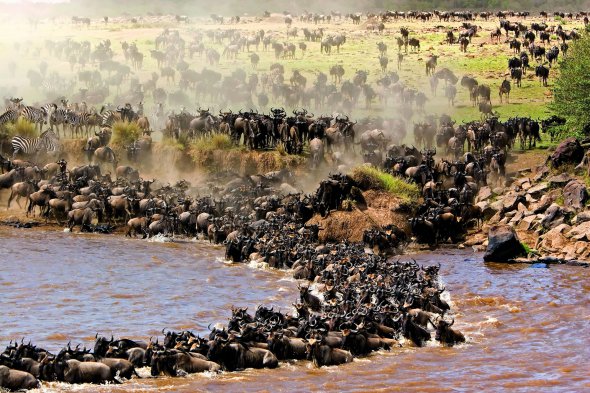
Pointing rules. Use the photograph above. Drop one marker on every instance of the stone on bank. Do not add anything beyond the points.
(503, 245)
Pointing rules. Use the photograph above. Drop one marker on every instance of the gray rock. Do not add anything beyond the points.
(526, 223)
(538, 190)
(543, 204)
(582, 217)
(529, 199)
(569, 151)
(497, 205)
(541, 173)
(486, 209)
(511, 202)
(517, 217)
(560, 180)
(552, 214)
(484, 194)
(575, 195)
(503, 245)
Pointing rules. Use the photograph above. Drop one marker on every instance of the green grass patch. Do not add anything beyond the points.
(22, 127)
(124, 133)
(213, 142)
(371, 178)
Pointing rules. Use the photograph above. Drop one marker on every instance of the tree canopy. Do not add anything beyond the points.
(571, 93)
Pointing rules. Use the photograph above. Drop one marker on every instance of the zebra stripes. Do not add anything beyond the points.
(76, 120)
(34, 115)
(9, 116)
(107, 118)
(47, 142)
(58, 118)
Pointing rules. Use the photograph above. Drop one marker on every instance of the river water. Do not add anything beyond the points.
(528, 329)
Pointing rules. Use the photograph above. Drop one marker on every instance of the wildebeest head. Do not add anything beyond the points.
(162, 362)
(101, 345)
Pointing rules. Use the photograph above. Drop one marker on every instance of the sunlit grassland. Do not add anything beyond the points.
(485, 60)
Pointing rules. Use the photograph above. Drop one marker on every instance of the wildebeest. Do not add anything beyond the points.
(74, 371)
(171, 362)
(516, 73)
(505, 90)
(414, 44)
(234, 356)
(324, 355)
(17, 380)
(446, 335)
(542, 73)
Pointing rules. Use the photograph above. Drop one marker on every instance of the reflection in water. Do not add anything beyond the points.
(527, 329)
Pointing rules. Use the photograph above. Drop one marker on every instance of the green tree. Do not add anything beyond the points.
(571, 94)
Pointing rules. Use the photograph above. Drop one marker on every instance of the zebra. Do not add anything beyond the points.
(59, 116)
(34, 115)
(48, 142)
(108, 117)
(9, 116)
(76, 120)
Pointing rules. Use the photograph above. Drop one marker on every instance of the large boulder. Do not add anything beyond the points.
(503, 245)
(575, 195)
(568, 152)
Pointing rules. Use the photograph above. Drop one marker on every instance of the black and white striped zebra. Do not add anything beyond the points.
(107, 117)
(36, 116)
(76, 120)
(59, 117)
(9, 116)
(47, 142)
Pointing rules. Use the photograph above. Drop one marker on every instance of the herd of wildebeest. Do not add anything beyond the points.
(189, 65)
(356, 300)
(363, 301)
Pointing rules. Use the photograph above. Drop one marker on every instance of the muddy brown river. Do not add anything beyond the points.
(528, 329)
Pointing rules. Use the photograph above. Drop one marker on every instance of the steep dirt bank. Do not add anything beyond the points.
(382, 209)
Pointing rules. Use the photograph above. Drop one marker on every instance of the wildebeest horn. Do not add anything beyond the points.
(452, 322)
(163, 330)
(96, 335)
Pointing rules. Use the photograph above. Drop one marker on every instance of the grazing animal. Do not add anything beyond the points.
(47, 142)
(542, 73)
(505, 90)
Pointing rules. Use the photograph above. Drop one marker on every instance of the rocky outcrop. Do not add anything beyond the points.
(568, 152)
(503, 245)
(545, 210)
(575, 195)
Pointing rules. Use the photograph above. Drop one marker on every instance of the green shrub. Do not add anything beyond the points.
(213, 142)
(371, 178)
(22, 127)
(124, 133)
(571, 93)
